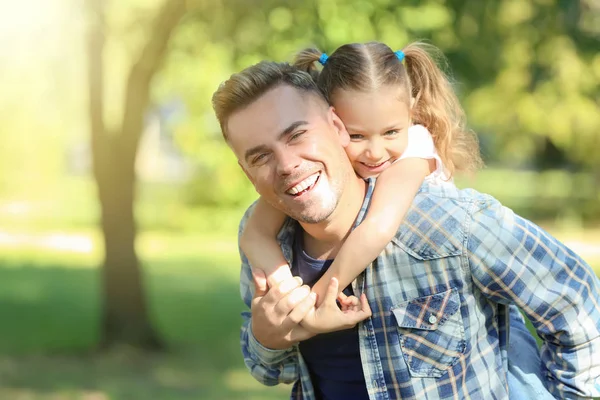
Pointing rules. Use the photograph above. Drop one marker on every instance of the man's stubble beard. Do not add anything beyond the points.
(317, 213)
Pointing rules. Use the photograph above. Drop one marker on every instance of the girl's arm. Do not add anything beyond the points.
(395, 190)
(259, 243)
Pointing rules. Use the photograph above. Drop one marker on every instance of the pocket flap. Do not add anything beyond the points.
(427, 312)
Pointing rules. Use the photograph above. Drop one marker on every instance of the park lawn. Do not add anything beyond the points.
(49, 308)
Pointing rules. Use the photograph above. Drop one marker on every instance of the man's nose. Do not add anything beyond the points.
(287, 161)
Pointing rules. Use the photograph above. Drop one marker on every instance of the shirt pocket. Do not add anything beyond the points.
(431, 333)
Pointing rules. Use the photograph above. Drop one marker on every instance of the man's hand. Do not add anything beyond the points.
(328, 317)
(277, 312)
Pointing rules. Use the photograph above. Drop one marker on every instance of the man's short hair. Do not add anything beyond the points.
(243, 88)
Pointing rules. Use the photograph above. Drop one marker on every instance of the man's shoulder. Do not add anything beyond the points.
(447, 191)
(285, 234)
(441, 213)
(447, 198)
(245, 216)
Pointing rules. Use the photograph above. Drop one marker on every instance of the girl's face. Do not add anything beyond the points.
(378, 125)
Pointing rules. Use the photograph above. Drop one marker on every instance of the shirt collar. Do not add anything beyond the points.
(287, 232)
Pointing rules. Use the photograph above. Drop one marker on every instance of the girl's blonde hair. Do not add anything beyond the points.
(368, 67)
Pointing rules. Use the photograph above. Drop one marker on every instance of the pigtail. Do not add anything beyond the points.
(436, 106)
(306, 61)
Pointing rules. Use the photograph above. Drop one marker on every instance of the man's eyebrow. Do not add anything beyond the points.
(254, 150)
(260, 148)
(293, 126)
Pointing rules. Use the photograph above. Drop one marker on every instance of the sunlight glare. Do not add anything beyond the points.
(24, 22)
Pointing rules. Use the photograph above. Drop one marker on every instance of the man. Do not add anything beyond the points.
(439, 291)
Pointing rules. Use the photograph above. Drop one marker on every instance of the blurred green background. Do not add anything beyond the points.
(105, 110)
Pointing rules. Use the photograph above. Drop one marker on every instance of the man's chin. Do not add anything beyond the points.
(313, 210)
(311, 219)
(311, 216)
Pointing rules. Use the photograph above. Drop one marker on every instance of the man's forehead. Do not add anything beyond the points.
(270, 114)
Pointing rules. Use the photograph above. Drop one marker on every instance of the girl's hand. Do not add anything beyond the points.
(328, 317)
(349, 303)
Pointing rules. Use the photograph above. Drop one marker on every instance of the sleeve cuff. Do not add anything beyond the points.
(265, 355)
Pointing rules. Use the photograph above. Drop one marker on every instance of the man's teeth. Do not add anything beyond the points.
(308, 182)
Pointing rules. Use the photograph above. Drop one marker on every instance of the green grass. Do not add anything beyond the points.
(49, 306)
(49, 298)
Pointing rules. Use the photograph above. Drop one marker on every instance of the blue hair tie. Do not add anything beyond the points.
(400, 55)
(323, 58)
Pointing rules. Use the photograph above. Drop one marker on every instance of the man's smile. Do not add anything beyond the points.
(304, 186)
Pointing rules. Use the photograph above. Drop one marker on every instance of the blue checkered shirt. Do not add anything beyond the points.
(439, 293)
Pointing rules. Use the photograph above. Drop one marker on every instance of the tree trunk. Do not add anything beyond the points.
(124, 316)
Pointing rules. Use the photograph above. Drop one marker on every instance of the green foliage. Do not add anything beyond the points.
(528, 71)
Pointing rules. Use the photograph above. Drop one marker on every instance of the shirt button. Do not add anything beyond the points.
(375, 383)
(432, 319)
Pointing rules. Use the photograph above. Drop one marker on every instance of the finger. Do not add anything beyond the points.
(343, 299)
(364, 303)
(352, 304)
(358, 313)
(332, 291)
(352, 301)
(287, 303)
(301, 310)
(276, 293)
(260, 283)
(346, 308)
(279, 275)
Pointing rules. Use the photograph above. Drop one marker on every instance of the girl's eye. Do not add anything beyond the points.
(356, 137)
(392, 132)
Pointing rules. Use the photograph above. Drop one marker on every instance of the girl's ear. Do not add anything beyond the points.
(339, 127)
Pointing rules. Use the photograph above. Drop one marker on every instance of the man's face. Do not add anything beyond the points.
(290, 144)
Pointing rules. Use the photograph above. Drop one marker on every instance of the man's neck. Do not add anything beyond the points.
(323, 240)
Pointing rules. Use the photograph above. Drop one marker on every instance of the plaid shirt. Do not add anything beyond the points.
(439, 293)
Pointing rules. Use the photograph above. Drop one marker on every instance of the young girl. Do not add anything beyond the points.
(425, 115)
(406, 126)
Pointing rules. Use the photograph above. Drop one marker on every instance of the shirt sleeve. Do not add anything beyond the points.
(420, 145)
(269, 367)
(514, 261)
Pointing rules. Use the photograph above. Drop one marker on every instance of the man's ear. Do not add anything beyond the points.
(339, 126)
(247, 174)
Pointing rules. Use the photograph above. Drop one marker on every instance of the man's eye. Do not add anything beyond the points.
(259, 158)
(297, 135)
(356, 137)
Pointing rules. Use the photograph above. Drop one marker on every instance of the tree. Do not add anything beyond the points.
(125, 315)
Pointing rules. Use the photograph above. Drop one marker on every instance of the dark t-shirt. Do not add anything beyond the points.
(332, 358)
